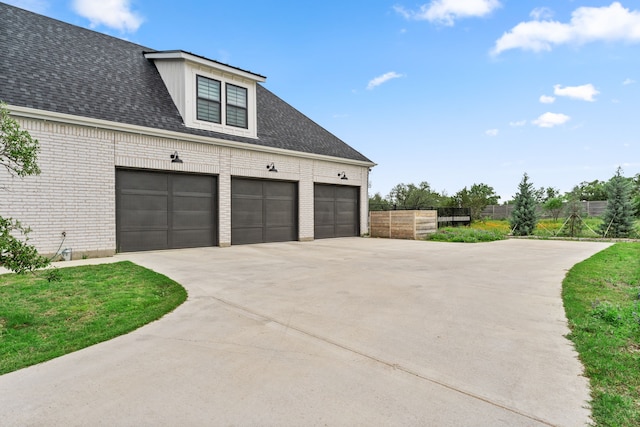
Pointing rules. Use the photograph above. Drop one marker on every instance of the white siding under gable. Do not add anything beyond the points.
(173, 75)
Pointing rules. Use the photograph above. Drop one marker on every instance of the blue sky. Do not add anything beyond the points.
(452, 92)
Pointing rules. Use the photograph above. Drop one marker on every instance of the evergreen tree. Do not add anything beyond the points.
(619, 215)
(524, 217)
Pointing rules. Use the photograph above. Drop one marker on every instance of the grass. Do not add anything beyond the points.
(465, 235)
(602, 301)
(55, 312)
(549, 227)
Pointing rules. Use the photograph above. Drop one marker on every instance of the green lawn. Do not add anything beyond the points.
(602, 301)
(54, 312)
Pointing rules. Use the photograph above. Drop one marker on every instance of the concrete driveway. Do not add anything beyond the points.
(355, 332)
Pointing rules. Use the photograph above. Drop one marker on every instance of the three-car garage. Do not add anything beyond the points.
(169, 210)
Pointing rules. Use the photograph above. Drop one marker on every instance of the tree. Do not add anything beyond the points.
(543, 194)
(636, 194)
(554, 207)
(18, 155)
(478, 197)
(524, 217)
(410, 196)
(618, 217)
(590, 191)
(377, 203)
(574, 212)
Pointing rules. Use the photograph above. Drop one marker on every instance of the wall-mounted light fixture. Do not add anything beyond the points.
(271, 167)
(343, 175)
(175, 158)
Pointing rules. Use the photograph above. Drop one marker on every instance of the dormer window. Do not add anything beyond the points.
(236, 106)
(209, 95)
(208, 100)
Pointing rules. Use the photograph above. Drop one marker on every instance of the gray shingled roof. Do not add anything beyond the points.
(54, 66)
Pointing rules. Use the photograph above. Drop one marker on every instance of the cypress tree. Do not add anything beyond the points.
(619, 215)
(524, 217)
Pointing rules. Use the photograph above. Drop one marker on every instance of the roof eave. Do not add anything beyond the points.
(32, 113)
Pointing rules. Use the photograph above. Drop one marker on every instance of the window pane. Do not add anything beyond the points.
(208, 88)
(236, 106)
(208, 110)
(237, 96)
(236, 116)
(208, 103)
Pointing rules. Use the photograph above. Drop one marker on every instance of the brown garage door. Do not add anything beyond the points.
(263, 211)
(159, 210)
(336, 212)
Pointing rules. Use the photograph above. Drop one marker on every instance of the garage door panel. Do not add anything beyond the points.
(324, 192)
(246, 235)
(280, 234)
(280, 213)
(285, 190)
(138, 180)
(191, 220)
(143, 202)
(346, 193)
(346, 213)
(247, 213)
(336, 211)
(192, 238)
(192, 184)
(142, 219)
(163, 210)
(246, 187)
(131, 241)
(183, 204)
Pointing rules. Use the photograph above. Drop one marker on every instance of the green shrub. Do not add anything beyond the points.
(465, 235)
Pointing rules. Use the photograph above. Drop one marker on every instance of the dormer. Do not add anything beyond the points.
(208, 94)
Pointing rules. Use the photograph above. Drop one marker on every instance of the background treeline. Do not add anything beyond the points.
(479, 196)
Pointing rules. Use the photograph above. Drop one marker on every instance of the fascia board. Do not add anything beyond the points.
(205, 62)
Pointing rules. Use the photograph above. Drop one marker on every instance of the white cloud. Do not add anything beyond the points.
(549, 120)
(541, 13)
(383, 78)
(491, 132)
(588, 24)
(518, 123)
(115, 14)
(545, 99)
(628, 82)
(38, 6)
(446, 12)
(584, 92)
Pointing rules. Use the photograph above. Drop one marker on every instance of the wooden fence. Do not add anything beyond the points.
(403, 224)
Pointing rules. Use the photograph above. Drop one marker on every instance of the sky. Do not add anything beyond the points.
(451, 92)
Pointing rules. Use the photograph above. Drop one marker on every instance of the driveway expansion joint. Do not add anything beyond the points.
(394, 366)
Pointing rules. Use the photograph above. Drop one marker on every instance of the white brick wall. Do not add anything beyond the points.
(76, 191)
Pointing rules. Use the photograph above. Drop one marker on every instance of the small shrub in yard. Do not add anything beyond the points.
(465, 235)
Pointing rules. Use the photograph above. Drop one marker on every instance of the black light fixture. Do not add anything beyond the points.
(343, 175)
(175, 158)
(271, 167)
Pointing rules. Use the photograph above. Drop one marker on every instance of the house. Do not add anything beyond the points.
(144, 149)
